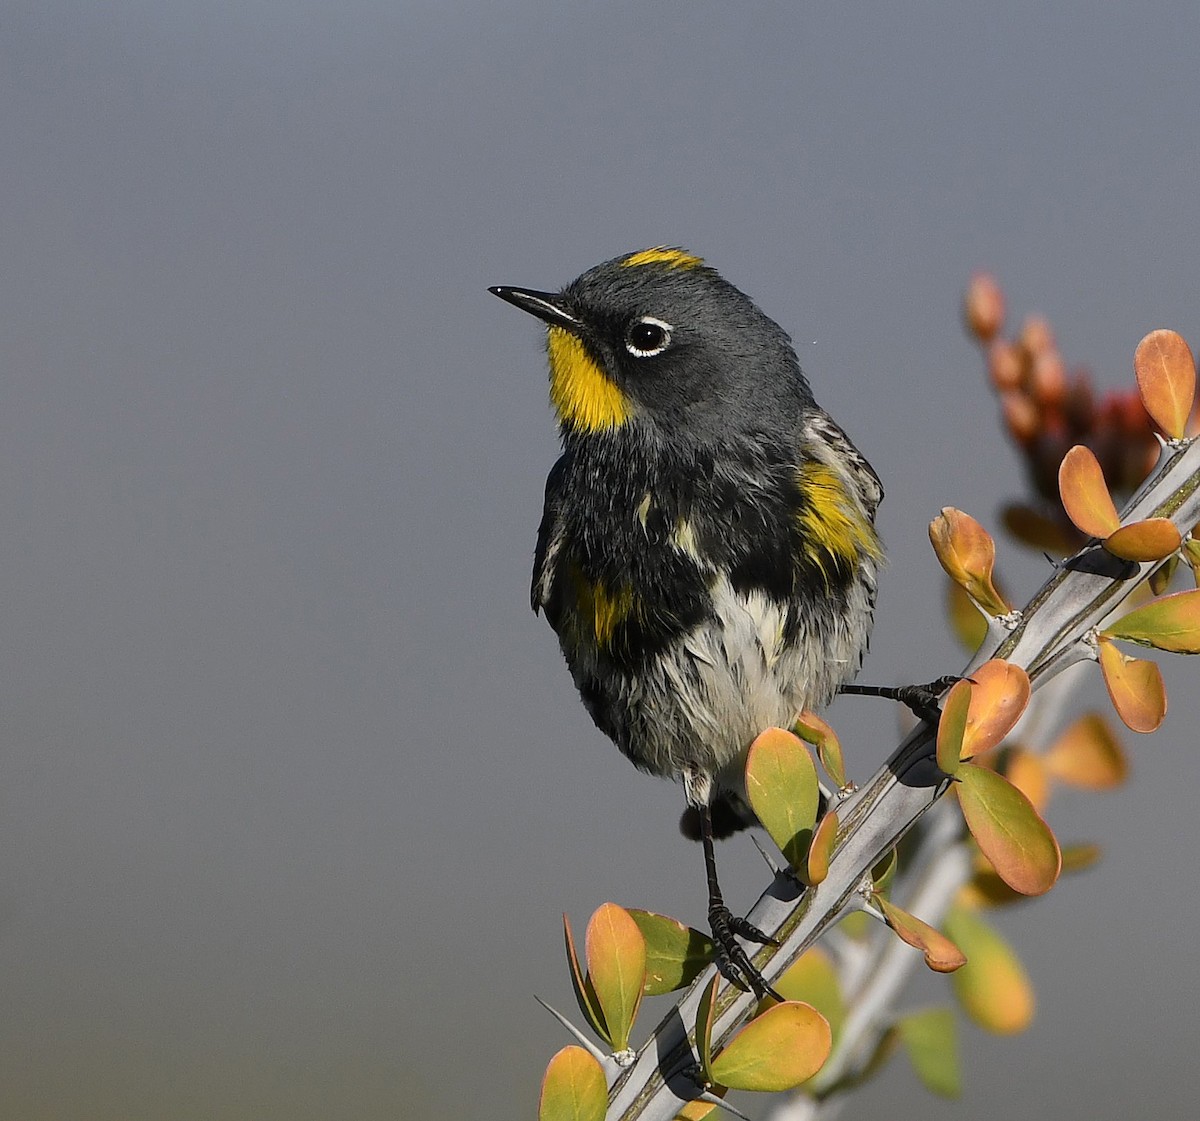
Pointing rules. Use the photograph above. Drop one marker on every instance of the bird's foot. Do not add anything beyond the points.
(920, 700)
(731, 959)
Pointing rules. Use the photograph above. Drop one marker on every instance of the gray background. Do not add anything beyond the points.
(293, 786)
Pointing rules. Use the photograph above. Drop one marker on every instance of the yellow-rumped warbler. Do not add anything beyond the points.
(707, 554)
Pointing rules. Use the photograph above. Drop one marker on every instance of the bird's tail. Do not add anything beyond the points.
(730, 814)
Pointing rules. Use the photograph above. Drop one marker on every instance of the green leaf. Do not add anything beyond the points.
(704, 1025)
(697, 1110)
(781, 782)
(1191, 550)
(776, 1051)
(1168, 623)
(675, 954)
(1080, 857)
(573, 1088)
(932, 1045)
(1009, 831)
(812, 729)
(812, 978)
(885, 870)
(616, 957)
(992, 987)
(857, 925)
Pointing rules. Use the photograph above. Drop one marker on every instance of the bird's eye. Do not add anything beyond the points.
(647, 337)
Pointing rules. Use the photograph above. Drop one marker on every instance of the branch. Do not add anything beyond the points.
(1053, 632)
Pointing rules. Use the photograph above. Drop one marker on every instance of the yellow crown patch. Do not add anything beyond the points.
(662, 255)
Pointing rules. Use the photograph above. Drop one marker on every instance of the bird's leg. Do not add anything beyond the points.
(731, 960)
(920, 700)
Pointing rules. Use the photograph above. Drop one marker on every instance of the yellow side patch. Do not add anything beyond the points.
(580, 392)
(600, 609)
(836, 534)
(661, 255)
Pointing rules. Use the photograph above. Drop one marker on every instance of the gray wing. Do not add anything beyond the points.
(549, 538)
(862, 474)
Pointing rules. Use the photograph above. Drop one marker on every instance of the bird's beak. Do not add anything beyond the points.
(547, 306)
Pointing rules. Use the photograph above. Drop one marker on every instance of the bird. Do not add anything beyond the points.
(707, 553)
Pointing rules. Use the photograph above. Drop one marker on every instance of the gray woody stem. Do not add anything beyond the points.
(1053, 632)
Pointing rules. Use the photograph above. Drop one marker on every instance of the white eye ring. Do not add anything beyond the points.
(653, 341)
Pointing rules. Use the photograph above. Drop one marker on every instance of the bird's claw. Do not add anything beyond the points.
(731, 960)
(920, 700)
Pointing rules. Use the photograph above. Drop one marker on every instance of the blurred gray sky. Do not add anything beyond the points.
(293, 786)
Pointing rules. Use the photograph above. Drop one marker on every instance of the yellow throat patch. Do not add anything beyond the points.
(582, 395)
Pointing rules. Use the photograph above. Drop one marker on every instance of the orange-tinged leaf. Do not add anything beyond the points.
(1135, 687)
(585, 996)
(616, 957)
(816, 867)
(941, 954)
(573, 1088)
(992, 987)
(1027, 772)
(952, 728)
(986, 889)
(1088, 754)
(932, 1045)
(1009, 831)
(776, 1051)
(781, 783)
(1149, 540)
(675, 954)
(812, 978)
(1085, 494)
(1167, 623)
(812, 729)
(1166, 377)
(968, 554)
(999, 695)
